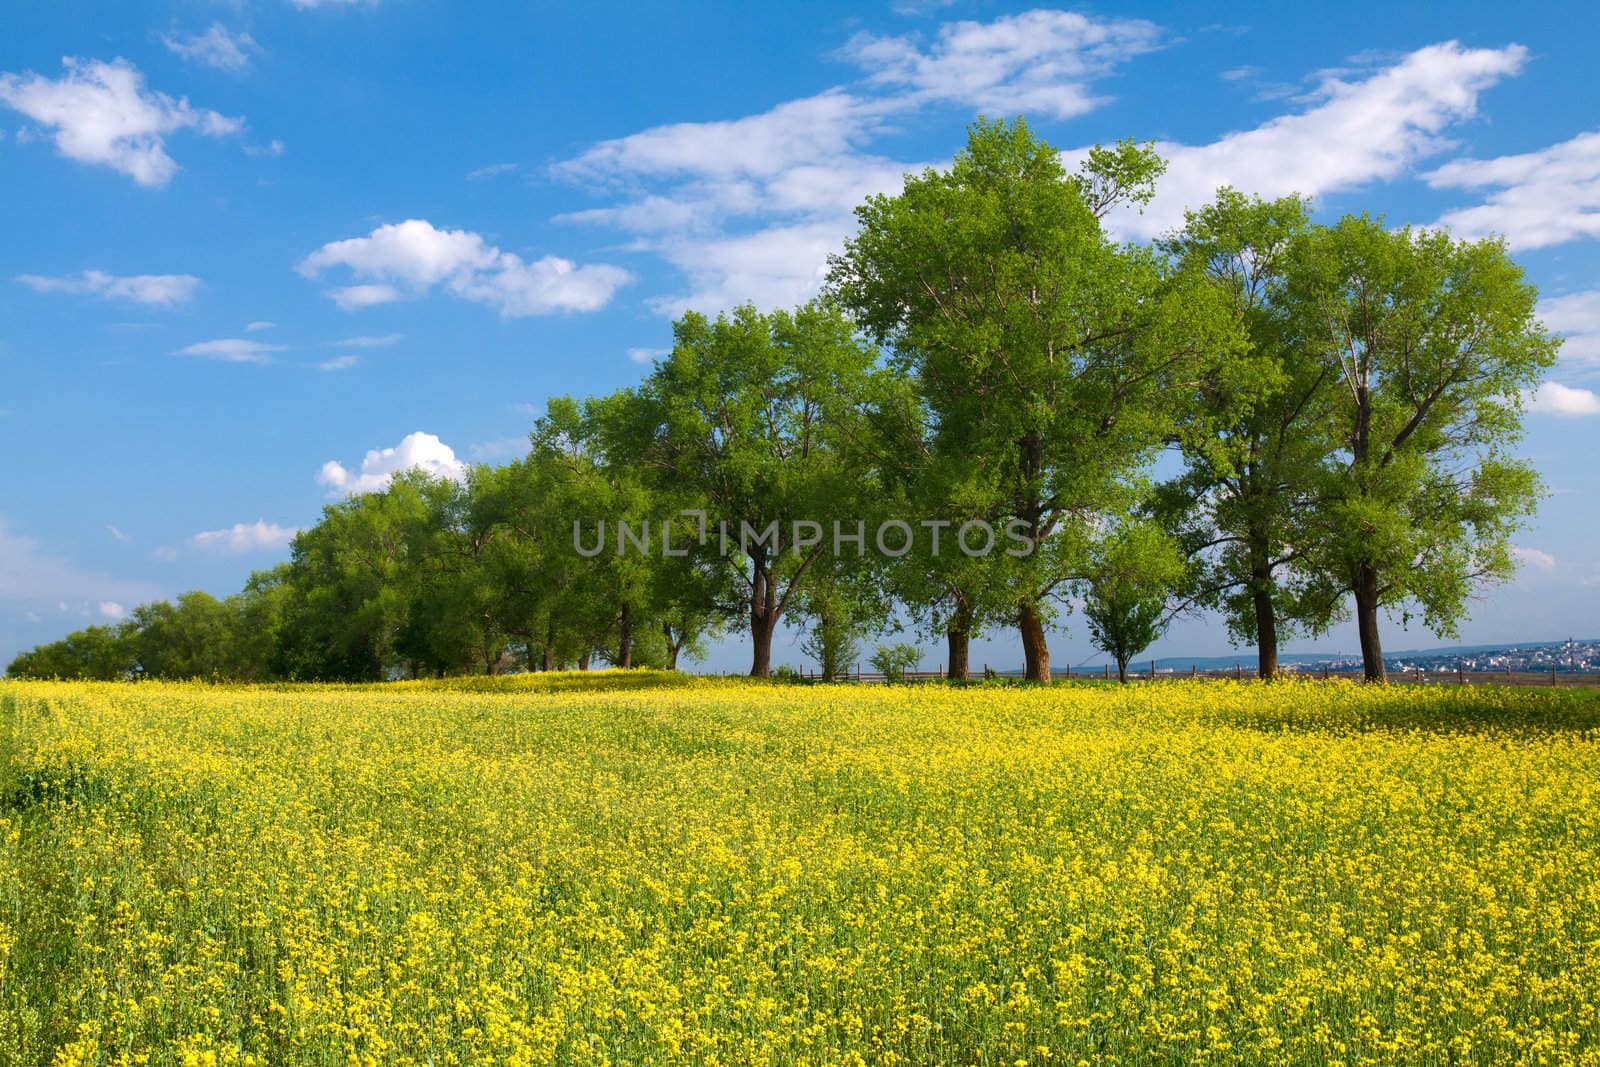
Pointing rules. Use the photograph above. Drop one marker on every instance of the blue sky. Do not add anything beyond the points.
(259, 254)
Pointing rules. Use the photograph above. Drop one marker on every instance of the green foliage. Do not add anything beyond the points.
(1050, 357)
(893, 661)
(741, 423)
(1126, 603)
(1432, 343)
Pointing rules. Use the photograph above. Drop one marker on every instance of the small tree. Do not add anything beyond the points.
(1126, 602)
(893, 661)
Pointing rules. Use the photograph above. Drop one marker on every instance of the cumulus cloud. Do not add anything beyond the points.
(101, 113)
(259, 325)
(216, 47)
(1577, 316)
(1553, 398)
(1354, 131)
(414, 256)
(159, 290)
(646, 355)
(1532, 557)
(231, 350)
(749, 208)
(1039, 62)
(339, 363)
(244, 537)
(1538, 198)
(110, 609)
(416, 451)
(799, 168)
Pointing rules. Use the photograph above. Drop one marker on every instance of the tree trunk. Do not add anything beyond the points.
(673, 644)
(1122, 670)
(958, 641)
(625, 639)
(550, 646)
(583, 662)
(763, 618)
(761, 639)
(958, 635)
(1265, 610)
(1366, 591)
(1035, 651)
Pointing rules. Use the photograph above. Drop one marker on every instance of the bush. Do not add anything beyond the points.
(895, 660)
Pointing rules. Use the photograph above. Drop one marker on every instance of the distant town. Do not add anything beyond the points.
(1570, 656)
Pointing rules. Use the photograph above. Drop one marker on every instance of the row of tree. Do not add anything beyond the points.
(1340, 402)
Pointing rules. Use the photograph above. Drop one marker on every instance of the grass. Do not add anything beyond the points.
(635, 868)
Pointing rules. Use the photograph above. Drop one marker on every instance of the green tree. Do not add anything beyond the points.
(1253, 443)
(1046, 352)
(893, 661)
(741, 422)
(1432, 343)
(1127, 601)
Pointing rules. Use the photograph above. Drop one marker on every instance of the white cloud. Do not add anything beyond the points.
(369, 341)
(118, 535)
(1039, 62)
(160, 290)
(414, 256)
(779, 266)
(101, 113)
(33, 577)
(1577, 316)
(339, 363)
(244, 537)
(645, 355)
(1532, 557)
(216, 47)
(1541, 198)
(1553, 398)
(1357, 131)
(415, 451)
(231, 350)
(260, 325)
(762, 145)
(493, 170)
(110, 609)
(504, 448)
(355, 297)
(749, 208)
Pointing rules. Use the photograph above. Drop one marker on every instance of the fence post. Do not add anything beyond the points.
(1238, 672)
(1324, 672)
(1552, 674)
(1194, 671)
(1461, 673)
(858, 671)
(1152, 670)
(1108, 672)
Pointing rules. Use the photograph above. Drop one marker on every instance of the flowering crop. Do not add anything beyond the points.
(636, 868)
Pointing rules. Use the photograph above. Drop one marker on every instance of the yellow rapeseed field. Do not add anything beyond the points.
(647, 869)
